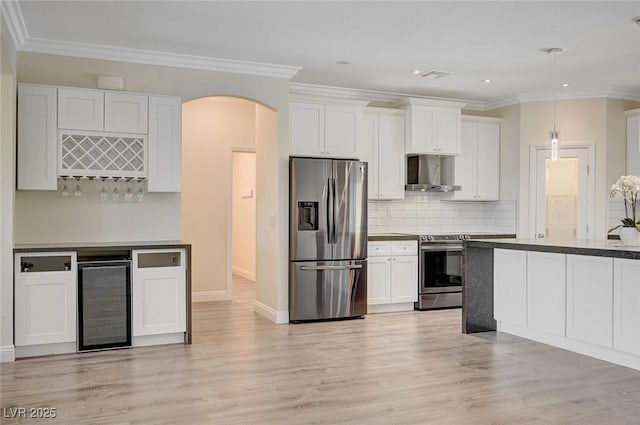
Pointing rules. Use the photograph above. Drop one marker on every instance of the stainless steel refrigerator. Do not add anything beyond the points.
(327, 239)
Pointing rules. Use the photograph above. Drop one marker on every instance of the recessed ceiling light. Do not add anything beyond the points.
(343, 62)
(486, 80)
(416, 72)
(565, 84)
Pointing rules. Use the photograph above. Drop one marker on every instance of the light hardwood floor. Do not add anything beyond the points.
(402, 368)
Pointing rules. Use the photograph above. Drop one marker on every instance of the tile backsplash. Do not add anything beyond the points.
(426, 213)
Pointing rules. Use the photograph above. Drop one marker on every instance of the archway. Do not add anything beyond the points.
(213, 128)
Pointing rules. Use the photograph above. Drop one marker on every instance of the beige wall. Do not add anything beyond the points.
(212, 127)
(7, 183)
(193, 84)
(244, 214)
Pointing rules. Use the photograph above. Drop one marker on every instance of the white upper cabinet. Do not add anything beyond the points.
(383, 147)
(325, 128)
(66, 131)
(126, 113)
(633, 141)
(433, 127)
(37, 127)
(165, 144)
(80, 109)
(477, 168)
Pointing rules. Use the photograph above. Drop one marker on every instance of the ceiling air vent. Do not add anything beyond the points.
(432, 73)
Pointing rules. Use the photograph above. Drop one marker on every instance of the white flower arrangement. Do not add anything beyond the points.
(627, 188)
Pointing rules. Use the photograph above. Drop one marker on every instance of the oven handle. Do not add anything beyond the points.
(441, 248)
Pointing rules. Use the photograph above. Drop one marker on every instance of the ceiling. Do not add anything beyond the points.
(383, 41)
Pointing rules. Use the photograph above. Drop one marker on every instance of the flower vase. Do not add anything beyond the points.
(629, 236)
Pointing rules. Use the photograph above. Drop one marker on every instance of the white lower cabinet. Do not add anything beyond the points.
(590, 299)
(159, 292)
(626, 305)
(546, 295)
(587, 304)
(510, 286)
(45, 301)
(392, 275)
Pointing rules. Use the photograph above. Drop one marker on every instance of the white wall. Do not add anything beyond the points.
(272, 280)
(244, 214)
(7, 183)
(211, 128)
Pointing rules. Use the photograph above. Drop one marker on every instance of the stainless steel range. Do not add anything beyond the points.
(440, 268)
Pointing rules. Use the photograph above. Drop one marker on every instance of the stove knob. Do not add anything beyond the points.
(428, 237)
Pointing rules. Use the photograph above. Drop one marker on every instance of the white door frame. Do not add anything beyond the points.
(591, 188)
(229, 270)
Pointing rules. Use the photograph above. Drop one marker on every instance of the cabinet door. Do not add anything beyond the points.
(369, 151)
(125, 113)
(510, 286)
(546, 284)
(165, 144)
(448, 131)
(80, 109)
(488, 161)
(466, 174)
(404, 279)
(45, 298)
(306, 128)
(391, 174)
(422, 130)
(37, 137)
(626, 306)
(341, 130)
(159, 292)
(378, 280)
(590, 299)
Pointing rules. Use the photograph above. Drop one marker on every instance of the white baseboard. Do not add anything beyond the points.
(46, 349)
(7, 353)
(244, 273)
(278, 317)
(602, 353)
(205, 296)
(389, 308)
(146, 340)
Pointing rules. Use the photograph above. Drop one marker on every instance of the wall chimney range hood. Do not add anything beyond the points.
(430, 173)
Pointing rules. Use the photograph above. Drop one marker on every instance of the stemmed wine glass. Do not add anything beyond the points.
(140, 191)
(65, 189)
(128, 195)
(78, 191)
(104, 194)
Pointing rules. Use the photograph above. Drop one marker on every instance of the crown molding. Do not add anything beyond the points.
(12, 15)
(151, 57)
(550, 96)
(375, 96)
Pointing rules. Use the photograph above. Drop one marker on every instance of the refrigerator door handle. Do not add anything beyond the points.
(331, 233)
(349, 267)
(333, 205)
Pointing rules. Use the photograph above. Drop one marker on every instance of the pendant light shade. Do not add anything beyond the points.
(554, 135)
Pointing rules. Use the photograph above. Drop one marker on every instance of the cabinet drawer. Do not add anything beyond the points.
(404, 248)
(379, 249)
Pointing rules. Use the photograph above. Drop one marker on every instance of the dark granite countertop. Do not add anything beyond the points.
(599, 248)
(375, 237)
(71, 246)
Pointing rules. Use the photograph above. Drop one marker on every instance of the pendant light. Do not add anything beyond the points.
(554, 135)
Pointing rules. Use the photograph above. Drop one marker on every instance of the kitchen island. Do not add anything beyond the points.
(582, 296)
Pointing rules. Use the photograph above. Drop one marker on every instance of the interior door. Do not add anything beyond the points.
(563, 195)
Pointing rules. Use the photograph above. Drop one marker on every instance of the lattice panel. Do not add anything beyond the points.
(102, 155)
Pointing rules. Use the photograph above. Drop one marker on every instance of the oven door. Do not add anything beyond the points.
(441, 268)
